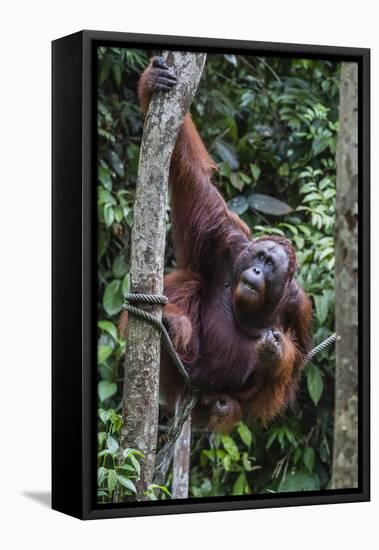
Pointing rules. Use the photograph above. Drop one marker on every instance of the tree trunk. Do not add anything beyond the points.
(141, 381)
(181, 465)
(345, 452)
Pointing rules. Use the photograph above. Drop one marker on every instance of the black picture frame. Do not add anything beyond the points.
(74, 275)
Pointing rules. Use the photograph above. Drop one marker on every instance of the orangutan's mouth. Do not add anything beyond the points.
(251, 288)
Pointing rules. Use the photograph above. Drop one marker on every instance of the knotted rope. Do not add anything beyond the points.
(326, 343)
(175, 425)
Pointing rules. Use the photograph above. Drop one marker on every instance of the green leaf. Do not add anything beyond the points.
(309, 458)
(299, 481)
(108, 215)
(312, 197)
(230, 447)
(101, 475)
(268, 205)
(106, 389)
(112, 444)
(255, 171)
(104, 415)
(239, 485)
(119, 266)
(105, 178)
(128, 452)
(153, 486)
(108, 327)
(245, 434)
(127, 467)
(315, 383)
(127, 483)
(113, 298)
(105, 197)
(239, 205)
(103, 353)
(284, 170)
(319, 145)
(236, 181)
(228, 154)
(136, 464)
(322, 307)
(117, 164)
(112, 480)
(101, 438)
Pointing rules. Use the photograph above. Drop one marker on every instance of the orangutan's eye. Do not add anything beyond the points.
(261, 256)
(270, 263)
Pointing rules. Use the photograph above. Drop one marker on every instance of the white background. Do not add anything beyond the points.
(26, 31)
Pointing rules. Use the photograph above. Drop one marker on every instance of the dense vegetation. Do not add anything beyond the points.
(271, 125)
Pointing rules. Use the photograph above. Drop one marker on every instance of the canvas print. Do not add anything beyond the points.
(227, 300)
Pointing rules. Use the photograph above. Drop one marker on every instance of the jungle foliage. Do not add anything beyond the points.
(271, 125)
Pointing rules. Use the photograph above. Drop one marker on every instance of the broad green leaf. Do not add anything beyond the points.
(105, 452)
(127, 483)
(112, 480)
(245, 434)
(108, 327)
(101, 436)
(230, 447)
(106, 389)
(255, 171)
(239, 485)
(119, 266)
(105, 178)
(105, 197)
(101, 475)
(127, 452)
(103, 353)
(136, 464)
(108, 215)
(228, 154)
(117, 164)
(315, 383)
(268, 205)
(239, 204)
(312, 197)
(113, 298)
(322, 307)
(161, 487)
(284, 170)
(127, 467)
(236, 181)
(104, 415)
(299, 481)
(309, 458)
(112, 444)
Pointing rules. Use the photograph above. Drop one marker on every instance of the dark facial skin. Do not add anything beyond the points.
(260, 278)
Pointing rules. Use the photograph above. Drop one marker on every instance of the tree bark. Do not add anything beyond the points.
(181, 463)
(345, 452)
(141, 381)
